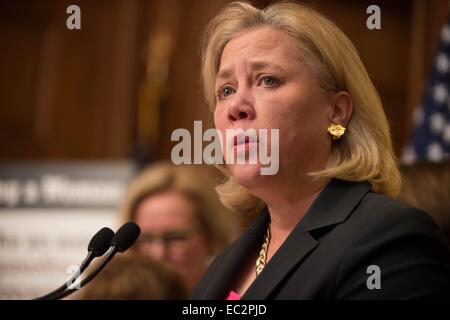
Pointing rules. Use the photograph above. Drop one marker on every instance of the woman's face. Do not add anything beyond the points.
(263, 83)
(170, 232)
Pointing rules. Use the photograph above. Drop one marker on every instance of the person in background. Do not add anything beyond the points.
(181, 218)
(134, 277)
(426, 185)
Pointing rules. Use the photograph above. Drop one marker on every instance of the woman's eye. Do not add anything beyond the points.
(225, 92)
(269, 81)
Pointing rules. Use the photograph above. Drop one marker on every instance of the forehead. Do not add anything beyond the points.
(165, 211)
(262, 43)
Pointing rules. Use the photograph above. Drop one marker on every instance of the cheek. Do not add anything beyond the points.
(301, 130)
(219, 119)
(220, 122)
(300, 125)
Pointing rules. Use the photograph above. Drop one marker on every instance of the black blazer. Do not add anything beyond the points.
(347, 229)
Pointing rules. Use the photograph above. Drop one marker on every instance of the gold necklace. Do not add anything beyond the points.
(261, 261)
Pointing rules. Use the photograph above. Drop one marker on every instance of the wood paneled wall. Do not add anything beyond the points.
(119, 86)
(63, 93)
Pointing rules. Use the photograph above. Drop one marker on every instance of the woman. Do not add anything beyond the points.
(181, 218)
(328, 229)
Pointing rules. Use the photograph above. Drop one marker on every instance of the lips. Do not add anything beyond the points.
(244, 139)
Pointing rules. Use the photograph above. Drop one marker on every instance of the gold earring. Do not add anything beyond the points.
(336, 130)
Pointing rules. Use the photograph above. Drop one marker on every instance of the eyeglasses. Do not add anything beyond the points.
(169, 238)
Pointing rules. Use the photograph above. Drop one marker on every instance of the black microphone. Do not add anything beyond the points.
(98, 245)
(124, 238)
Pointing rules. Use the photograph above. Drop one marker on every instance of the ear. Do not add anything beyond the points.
(342, 108)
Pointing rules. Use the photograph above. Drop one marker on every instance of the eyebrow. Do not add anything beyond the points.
(258, 65)
(255, 65)
(224, 74)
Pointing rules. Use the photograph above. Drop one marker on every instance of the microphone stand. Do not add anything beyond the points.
(71, 279)
(91, 276)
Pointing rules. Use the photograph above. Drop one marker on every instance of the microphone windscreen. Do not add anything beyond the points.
(101, 241)
(126, 236)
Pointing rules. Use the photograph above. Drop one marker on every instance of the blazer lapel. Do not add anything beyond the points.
(219, 286)
(332, 206)
(295, 248)
(335, 203)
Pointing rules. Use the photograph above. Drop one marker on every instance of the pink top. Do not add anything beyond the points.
(233, 296)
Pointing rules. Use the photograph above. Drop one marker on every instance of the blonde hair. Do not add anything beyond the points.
(365, 153)
(195, 182)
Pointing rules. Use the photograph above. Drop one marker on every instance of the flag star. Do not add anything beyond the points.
(409, 155)
(440, 93)
(437, 122)
(446, 133)
(445, 35)
(435, 152)
(442, 63)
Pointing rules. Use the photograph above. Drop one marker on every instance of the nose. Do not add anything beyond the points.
(241, 108)
(157, 250)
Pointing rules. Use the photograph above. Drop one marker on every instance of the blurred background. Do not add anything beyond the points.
(82, 111)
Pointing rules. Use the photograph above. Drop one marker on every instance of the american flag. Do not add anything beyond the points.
(431, 138)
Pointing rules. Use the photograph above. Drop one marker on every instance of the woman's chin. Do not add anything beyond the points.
(247, 175)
